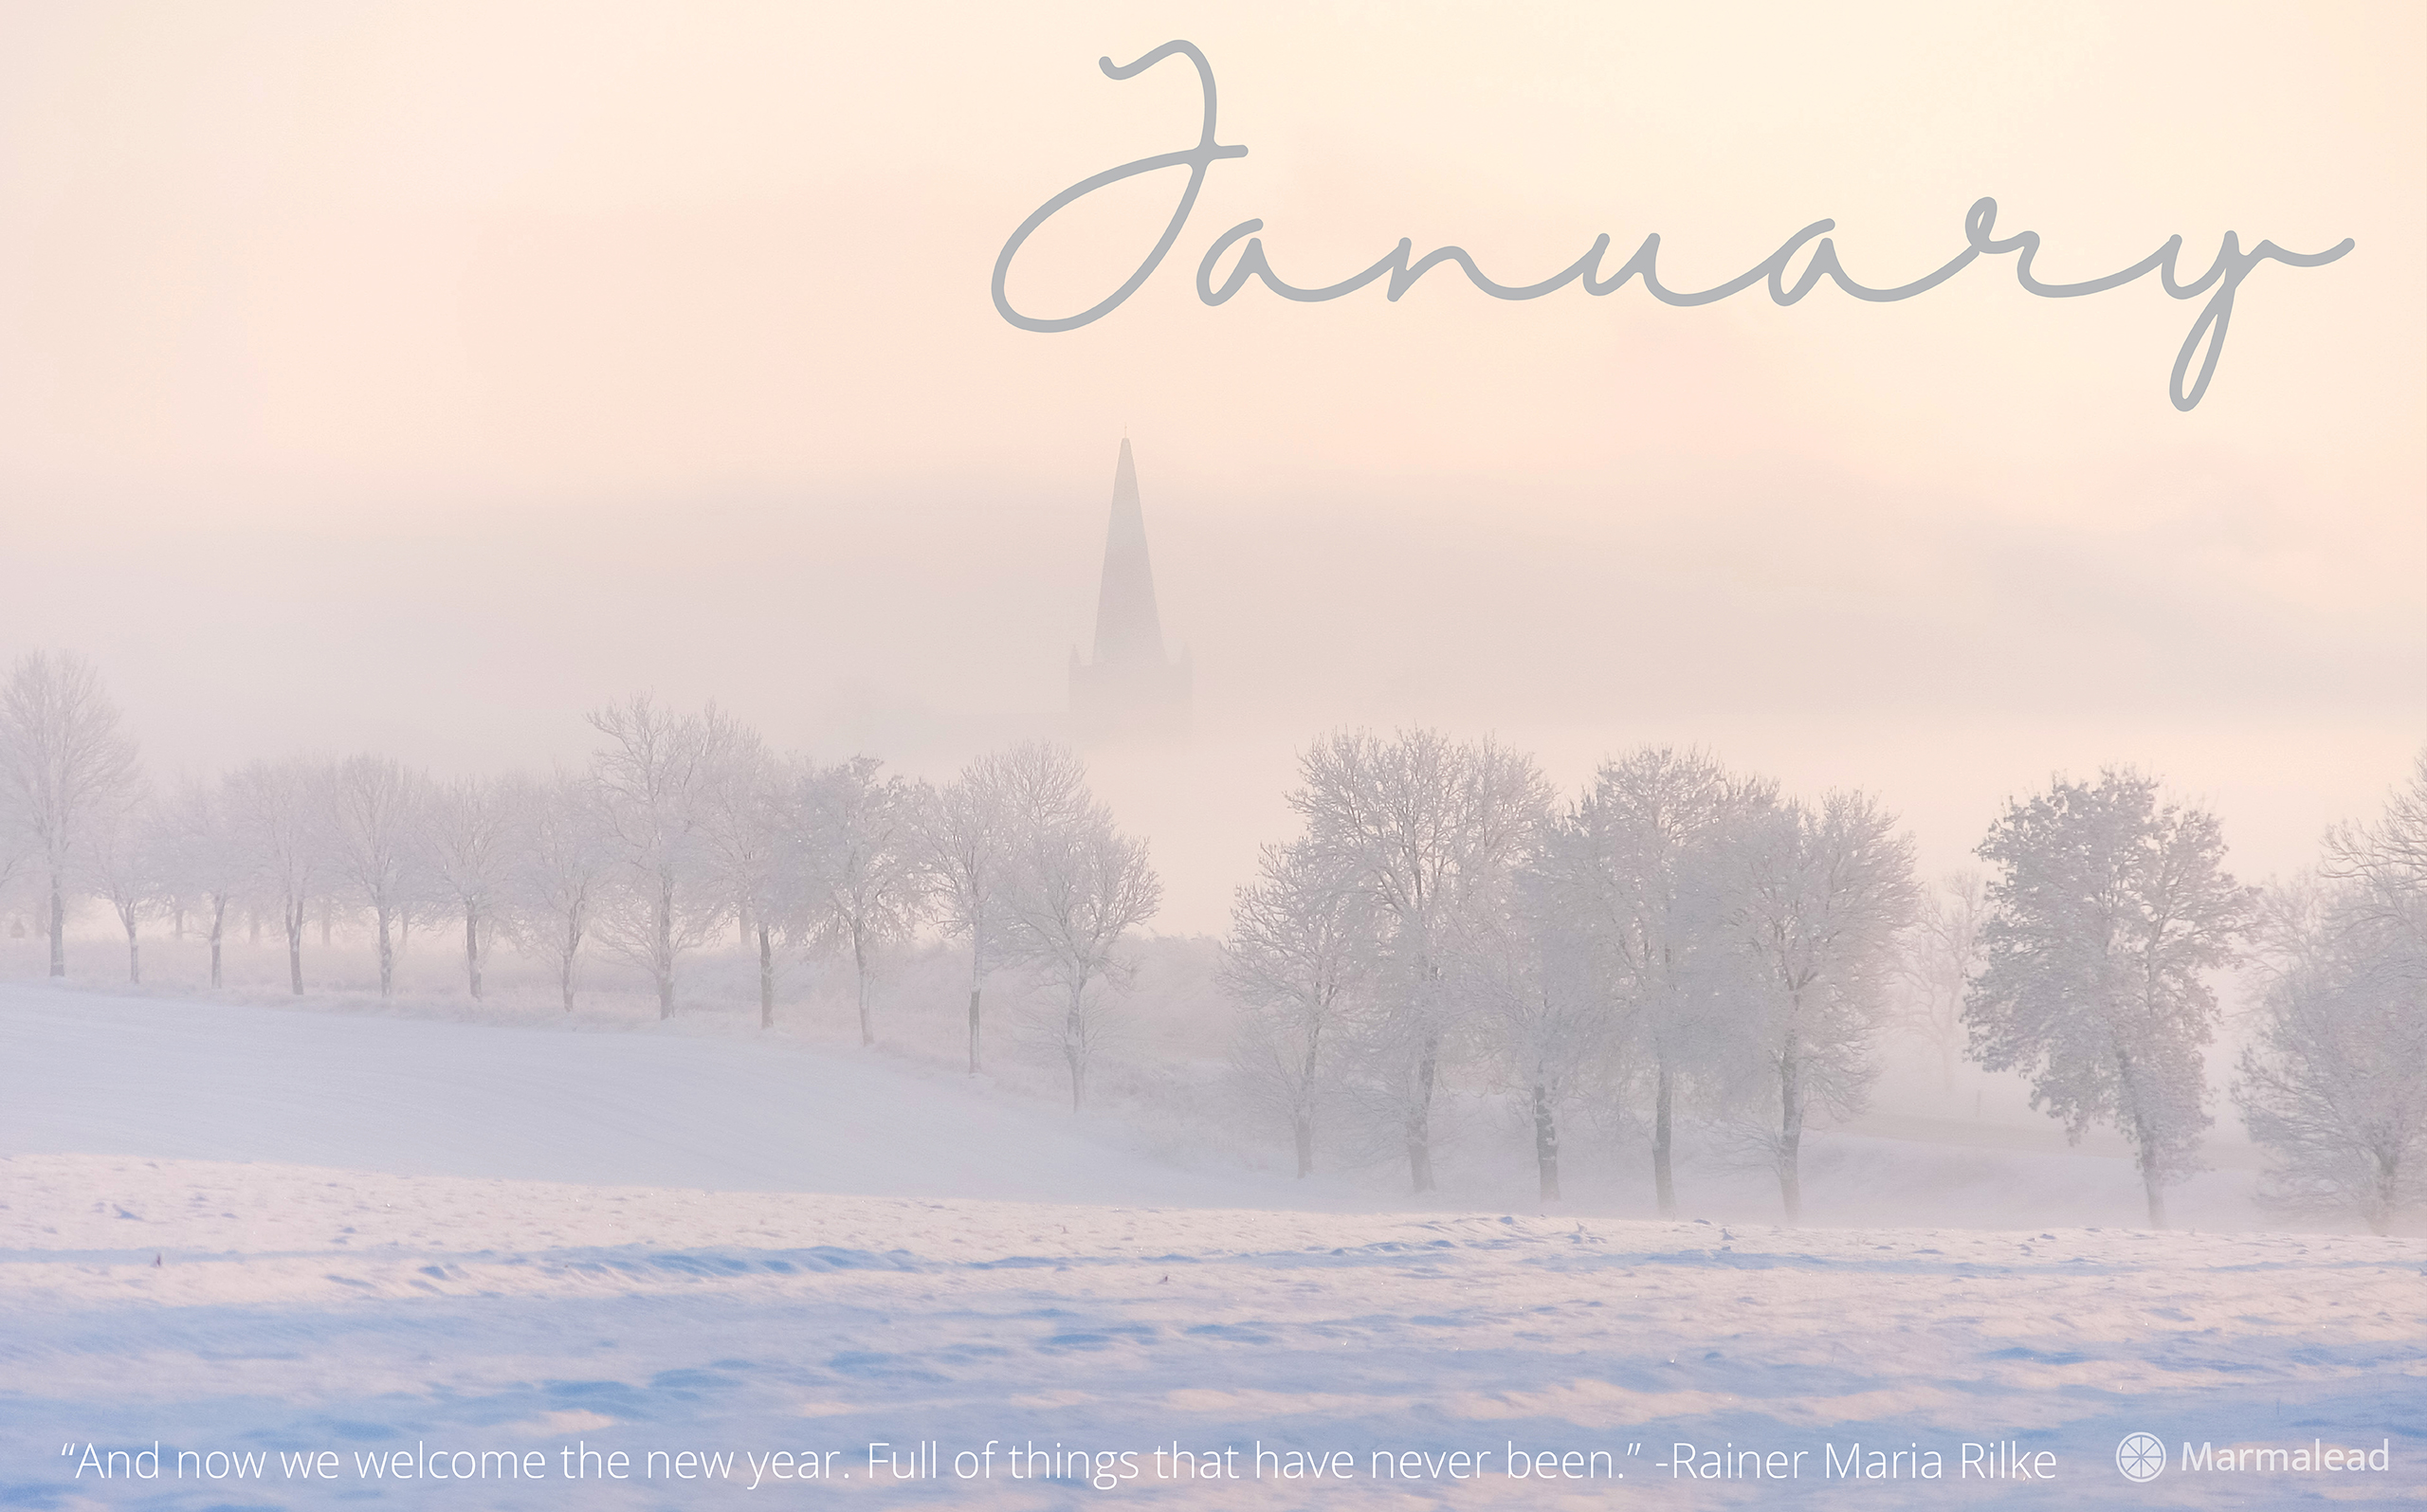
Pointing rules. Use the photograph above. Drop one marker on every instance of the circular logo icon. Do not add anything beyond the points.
(2141, 1457)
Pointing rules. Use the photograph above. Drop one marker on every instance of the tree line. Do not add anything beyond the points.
(679, 827)
(1676, 940)
(1680, 938)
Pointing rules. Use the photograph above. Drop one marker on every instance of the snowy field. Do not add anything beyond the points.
(317, 1242)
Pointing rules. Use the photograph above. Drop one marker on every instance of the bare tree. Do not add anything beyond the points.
(205, 857)
(862, 866)
(651, 774)
(2388, 858)
(2334, 1084)
(561, 869)
(66, 766)
(1077, 887)
(1301, 950)
(375, 815)
(1824, 893)
(280, 820)
(2109, 910)
(1642, 863)
(963, 834)
(471, 836)
(745, 832)
(123, 862)
(1526, 961)
(1425, 823)
(1941, 954)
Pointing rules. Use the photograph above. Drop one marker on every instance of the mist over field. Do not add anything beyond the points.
(632, 827)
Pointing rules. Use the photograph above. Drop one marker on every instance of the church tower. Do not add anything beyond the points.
(1129, 688)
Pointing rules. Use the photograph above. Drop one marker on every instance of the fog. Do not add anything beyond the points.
(634, 830)
(419, 381)
(423, 382)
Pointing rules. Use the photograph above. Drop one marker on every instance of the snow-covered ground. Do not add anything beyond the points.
(244, 1232)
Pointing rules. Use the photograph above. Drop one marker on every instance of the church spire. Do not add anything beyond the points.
(1128, 629)
(1130, 688)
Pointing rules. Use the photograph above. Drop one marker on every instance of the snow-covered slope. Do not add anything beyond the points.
(705, 1103)
(292, 1311)
(194, 1080)
(273, 1236)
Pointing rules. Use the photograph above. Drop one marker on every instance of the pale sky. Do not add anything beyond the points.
(418, 376)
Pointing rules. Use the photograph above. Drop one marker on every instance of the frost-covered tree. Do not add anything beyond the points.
(2334, 1084)
(1076, 888)
(1822, 893)
(559, 872)
(1300, 953)
(651, 771)
(375, 810)
(125, 865)
(1641, 865)
(1524, 959)
(1942, 951)
(64, 768)
(1427, 826)
(964, 836)
(2388, 858)
(747, 833)
(205, 857)
(2108, 912)
(280, 820)
(862, 864)
(471, 836)
(2334, 1081)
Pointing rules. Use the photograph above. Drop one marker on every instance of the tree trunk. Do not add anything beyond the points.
(972, 1028)
(386, 956)
(472, 947)
(1074, 1050)
(1791, 1132)
(1662, 1104)
(2147, 1163)
(565, 963)
(766, 977)
(1303, 1120)
(1419, 1121)
(294, 923)
(218, 923)
(860, 971)
(134, 957)
(665, 961)
(2144, 1139)
(58, 928)
(1546, 1143)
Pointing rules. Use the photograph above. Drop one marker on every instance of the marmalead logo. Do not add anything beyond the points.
(2141, 1457)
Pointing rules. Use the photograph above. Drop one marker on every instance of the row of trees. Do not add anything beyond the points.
(681, 827)
(1677, 939)
(1678, 936)
(1677, 932)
